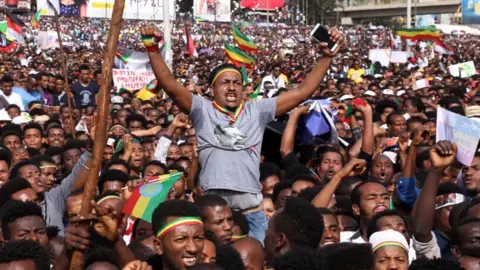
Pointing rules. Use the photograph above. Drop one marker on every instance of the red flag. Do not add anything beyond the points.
(189, 41)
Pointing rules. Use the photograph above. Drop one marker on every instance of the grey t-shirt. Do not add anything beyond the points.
(230, 154)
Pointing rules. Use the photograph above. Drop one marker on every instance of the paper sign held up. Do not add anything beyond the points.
(420, 84)
(463, 70)
(463, 131)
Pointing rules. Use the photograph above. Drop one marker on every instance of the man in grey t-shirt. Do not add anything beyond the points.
(230, 132)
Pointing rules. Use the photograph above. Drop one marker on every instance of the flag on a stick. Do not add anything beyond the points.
(244, 42)
(189, 41)
(426, 33)
(36, 18)
(442, 48)
(238, 57)
(14, 27)
(147, 197)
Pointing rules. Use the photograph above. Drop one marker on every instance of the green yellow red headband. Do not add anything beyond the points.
(176, 223)
(108, 197)
(46, 166)
(389, 243)
(228, 69)
(236, 237)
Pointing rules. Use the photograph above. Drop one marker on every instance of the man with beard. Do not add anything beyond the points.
(465, 245)
(368, 198)
(179, 234)
(229, 131)
(217, 217)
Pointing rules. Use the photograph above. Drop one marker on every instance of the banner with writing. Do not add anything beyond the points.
(47, 40)
(463, 70)
(131, 79)
(463, 131)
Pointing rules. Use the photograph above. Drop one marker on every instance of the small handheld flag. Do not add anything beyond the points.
(238, 57)
(147, 197)
(36, 18)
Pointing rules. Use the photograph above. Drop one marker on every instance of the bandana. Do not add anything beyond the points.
(388, 238)
(121, 145)
(176, 223)
(448, 200)
(46, 166)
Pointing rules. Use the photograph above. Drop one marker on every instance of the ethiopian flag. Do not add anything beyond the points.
(244, 42)
(238, 57)
(426, 33)
(147, 197)
(36, 18)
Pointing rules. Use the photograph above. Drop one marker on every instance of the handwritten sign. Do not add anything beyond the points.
(131, 79)
(463, 131)
(463, 70)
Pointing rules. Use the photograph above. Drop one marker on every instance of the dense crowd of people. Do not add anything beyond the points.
(374, 189)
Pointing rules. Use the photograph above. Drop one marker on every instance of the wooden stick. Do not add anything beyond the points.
(101, 125)
(65, 72)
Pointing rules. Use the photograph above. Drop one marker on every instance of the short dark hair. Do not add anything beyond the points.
(11, 133)
(21, 250)
(172, 208)
(209, 200)
(356, 192)
(83, 67)
(13, 106)
(417, 103)
(373, 226)
(99, 254)
(299, 259)
(229, 258)
(141, 251)
(423, 263)
(322, 151)
(385, 103)
(38, 159)
(136, 117)
(241, 221)
(310, 192)
(36, 126)
(112, 175)
(11, 186)
(344, 186)
(6, 156)
(268, 169)
(53, 151)
(300, 223)
(154, 163)
(360, 256)
(7, 79)
(16, 168)
(54, 126)
(456, 230)
(118, 161)
(13, 210)
(389, 119)
(285, 184)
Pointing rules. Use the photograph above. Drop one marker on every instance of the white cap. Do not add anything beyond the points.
(4, 115)
(369, 93)
(344, 97)
(388, 238)
(117, 100)
(388, 92)
(23, 118)
(400, 92)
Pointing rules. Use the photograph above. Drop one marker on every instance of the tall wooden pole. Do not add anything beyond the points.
(101, 132)
(65, 72)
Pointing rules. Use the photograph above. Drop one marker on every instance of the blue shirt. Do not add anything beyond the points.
(407, 191)
(28, 97)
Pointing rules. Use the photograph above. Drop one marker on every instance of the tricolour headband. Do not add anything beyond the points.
(46, 166)
(223, 71)
(108, 197)
(390, 243)
(178, 222)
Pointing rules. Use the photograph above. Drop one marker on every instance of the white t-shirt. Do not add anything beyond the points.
(14, 98)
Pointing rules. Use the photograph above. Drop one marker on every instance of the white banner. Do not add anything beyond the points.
(47, 40)
(134, 9)
(131, 79)
(212, 10)
(466, 69)
(463, 131)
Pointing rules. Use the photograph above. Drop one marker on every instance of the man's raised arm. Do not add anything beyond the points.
(165, 78)
(291, 99)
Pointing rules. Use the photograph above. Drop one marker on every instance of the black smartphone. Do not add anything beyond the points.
(320, 34)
